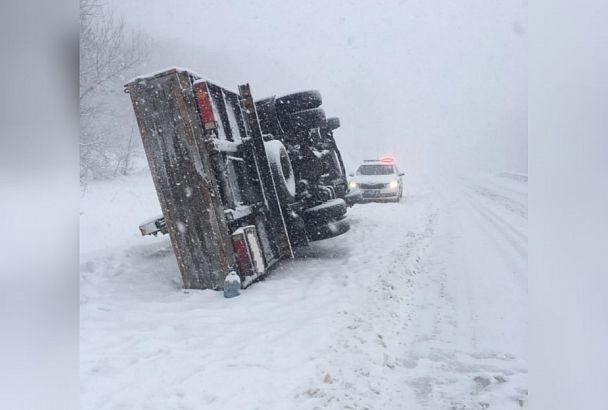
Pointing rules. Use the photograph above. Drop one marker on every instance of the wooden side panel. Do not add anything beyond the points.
(173, 139)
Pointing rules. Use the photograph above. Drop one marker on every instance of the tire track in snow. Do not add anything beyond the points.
(374, 343)
(500, 232)
(445, 366)
(511, 235)
(507, 202)
(490, 213)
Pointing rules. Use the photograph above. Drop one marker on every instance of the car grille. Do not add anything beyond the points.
(372, 186)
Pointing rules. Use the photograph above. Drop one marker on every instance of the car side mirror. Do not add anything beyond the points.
(401, 174)
(351, 174)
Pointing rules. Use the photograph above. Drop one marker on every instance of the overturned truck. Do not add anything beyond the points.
(240, 182)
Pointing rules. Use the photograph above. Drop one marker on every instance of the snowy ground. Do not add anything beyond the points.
(422, 305)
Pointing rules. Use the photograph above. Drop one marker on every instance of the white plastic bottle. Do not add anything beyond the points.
(232, 284)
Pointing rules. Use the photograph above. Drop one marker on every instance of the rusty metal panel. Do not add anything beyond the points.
(176, 148)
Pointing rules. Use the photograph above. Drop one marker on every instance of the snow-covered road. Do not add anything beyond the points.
(422, 305)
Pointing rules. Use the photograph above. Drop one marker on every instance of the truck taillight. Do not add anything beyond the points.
(205, 107)
(243, 258)
(248, 251)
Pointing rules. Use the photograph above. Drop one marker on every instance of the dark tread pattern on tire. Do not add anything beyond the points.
(300, 101)
(303, 120)
(333, 123)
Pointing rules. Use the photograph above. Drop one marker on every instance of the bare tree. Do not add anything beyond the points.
(108, 53)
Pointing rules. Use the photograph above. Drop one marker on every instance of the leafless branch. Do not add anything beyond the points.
(109, 51)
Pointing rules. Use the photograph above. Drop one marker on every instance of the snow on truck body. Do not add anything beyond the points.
(228, 192)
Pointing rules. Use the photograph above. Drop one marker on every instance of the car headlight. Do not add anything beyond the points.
(393, 184)
(352, 185)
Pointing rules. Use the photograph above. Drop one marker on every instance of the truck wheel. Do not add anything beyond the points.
(304, 100)
(333, 123)
(331, 229)
(326, 220)
(282, 172)
(303, 120)
(327, 211)
(267, 114)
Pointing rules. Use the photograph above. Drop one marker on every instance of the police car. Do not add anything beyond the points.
(378, 180)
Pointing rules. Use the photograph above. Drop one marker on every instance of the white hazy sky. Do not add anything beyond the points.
(438, 83)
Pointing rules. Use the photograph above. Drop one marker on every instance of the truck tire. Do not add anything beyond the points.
(304, 100)
(329, 210)
(267, 114)
(326, 220)
(333, 123)
(333, 229)
(282, 172)
(328, 230)
(303, 120)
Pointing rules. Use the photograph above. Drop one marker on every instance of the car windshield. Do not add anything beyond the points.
(375, 169)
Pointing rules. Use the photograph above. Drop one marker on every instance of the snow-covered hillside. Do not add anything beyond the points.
(422, 305)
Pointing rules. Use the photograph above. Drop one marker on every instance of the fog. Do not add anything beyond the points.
(439, 84)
